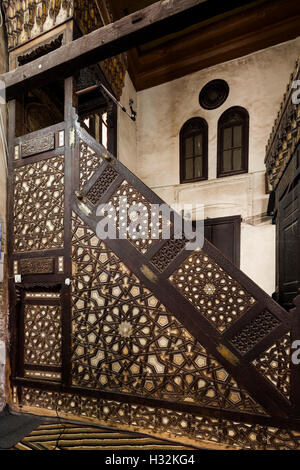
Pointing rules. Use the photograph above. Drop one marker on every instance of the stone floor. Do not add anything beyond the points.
(14, 427)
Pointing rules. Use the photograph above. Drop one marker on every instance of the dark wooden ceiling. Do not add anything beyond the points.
(235, 32)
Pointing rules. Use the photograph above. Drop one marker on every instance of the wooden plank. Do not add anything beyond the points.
(157, 20)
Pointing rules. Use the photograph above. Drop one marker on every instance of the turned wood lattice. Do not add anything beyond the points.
(146, 334)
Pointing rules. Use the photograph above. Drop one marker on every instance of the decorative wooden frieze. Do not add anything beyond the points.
(37, 266)
(42, 49)
(38, 145)
(285, 134)
(28, 19)
(163, 422)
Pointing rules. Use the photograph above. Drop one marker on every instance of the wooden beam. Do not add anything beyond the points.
(157, 20)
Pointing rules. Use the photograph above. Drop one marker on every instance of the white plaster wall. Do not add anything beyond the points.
(257, 82)
(127, 129)
(258, 254)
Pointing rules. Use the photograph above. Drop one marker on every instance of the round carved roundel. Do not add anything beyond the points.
(214, 94)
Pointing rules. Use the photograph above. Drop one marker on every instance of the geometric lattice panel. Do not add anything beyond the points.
(254, 332)
(218, 297)
(39, 205)
(42, 335)
(125, 340)
(168, 253)
(102, 184)
(275, 365)
(88, 164)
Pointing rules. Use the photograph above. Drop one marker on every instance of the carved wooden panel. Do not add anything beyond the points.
(218, 297)
(88, 164)
(37, 266)
(254, 332)
(42, 335)
(39, 205)
(108, 176)
(275, 364)
(37, 145)
(168, 253)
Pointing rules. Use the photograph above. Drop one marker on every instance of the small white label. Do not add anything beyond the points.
(2, 353)
(17, 153)
(61, 138)
(68, 281)
(18, 278)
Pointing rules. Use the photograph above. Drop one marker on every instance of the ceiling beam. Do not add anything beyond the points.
(242, 31)
(157, 20)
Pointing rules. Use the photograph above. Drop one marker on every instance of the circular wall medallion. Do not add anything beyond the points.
(214, 94)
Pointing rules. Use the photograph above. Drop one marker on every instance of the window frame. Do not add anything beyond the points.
(226, 122)
(200, 124)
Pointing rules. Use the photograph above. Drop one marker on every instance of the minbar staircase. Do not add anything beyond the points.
(139, 334)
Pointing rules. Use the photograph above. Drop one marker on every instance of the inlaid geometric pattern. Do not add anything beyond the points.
(274, 364)
(162, 421)
(218, 297)
(254, 332)
(168, 253)
(142, 212)
(125, 340)
(102, 184)
(42, 335)
(89, 162)
(39, 205)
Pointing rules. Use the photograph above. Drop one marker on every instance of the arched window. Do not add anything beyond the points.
(193, 150)
(233, 142)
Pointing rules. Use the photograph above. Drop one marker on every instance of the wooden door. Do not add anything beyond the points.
(225, 234)
(289, 247)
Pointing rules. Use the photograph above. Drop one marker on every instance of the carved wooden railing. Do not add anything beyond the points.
(136, 334)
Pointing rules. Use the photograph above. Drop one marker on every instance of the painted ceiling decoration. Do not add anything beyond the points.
(29, 20)
(25, 20)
